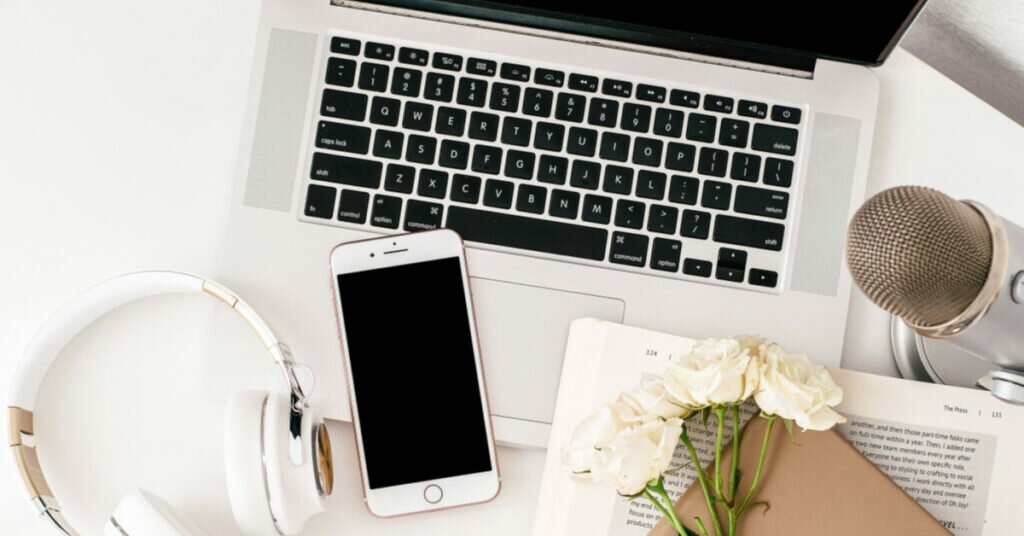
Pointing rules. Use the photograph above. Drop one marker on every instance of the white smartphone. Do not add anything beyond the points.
(416, 379)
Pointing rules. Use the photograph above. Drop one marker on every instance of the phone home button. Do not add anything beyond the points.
(433, 494)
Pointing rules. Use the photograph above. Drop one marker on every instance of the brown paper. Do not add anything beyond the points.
(816, 485)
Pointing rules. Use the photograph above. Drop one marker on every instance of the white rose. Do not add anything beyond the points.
(715, 372)
(595, 433)
(794, 388)
(639, 454)
(650, 400)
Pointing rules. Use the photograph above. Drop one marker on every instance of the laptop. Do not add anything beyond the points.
(685, 167)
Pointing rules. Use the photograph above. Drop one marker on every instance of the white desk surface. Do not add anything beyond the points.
(118, 131)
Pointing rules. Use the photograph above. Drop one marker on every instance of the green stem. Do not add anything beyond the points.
(732, 523)
(685, 437)
(760, 465)
(734, 473)
(668, 510)
(700, 525)
(720, 414)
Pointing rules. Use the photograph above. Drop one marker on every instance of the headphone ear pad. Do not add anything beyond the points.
(244, 462)
(142, 513)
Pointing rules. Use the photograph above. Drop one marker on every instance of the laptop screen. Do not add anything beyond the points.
(859, 32)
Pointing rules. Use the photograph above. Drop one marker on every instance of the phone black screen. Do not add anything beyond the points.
(414, 373)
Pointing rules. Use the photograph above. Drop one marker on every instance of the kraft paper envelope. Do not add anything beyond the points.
(816, 485)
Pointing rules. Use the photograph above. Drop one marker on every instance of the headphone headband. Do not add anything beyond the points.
(81, 311)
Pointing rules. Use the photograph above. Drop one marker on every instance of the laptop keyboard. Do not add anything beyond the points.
(603, 170)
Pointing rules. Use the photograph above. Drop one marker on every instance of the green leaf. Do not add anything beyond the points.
(705, 414)
(789, 429)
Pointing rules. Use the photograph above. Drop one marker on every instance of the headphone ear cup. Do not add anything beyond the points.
(142, 513)
(244, 462)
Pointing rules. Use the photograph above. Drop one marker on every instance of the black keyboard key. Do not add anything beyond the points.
(745, 167)
(713, 162)
(716, 195)
(647, 152)
(629, 214)
(582, 82)
(422, 216)
(668, 123)
(384, 111)
(733, 258)
(343, 105)
(749, 233)
(386, 211)
(774, 139)
(374, 77)
(498, 194)
(341, 72)
(380, 51)
(786, 114)
(465, 188)
(399, 178)
(439, 87)
(450, 121)
(512, 71)
(695, 224)
(597, 209)
(662, 219)
(454, 154)
(487, 159)
(734, 133)
(650, 185)
(726, 273)
(548, 77)
(342, 45)
(564, 204)
(319, 201)
(549, 137)
(472, 92)
(686, 99)
(629, 249)
(552, 169)
(615, 147)
(763, 278)
(717, 103)
(650, 93)
(665, 254)
(778, 172)
(603, 112)
(505, 97)
(447, 62)
(483, 126)
(618, 180)
(582, 141)
(753, 109)
(413, 56)
(421, 149)
(681, 156)
(617, 88)
(406, 82)
(353, 206)
(516, 131)
(585, 175)
(519, 164)
(388, 144)
(532, 199)
(697, 267)
(481, 67)
(761, 202)
(538, 102)
(683, 190)
(524, 232)
(570, 107)
(701, 128)
(432, 184)
(418, 116)
(636, 117)
(343, 137)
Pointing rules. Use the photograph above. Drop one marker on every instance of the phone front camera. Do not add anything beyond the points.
(371, 254)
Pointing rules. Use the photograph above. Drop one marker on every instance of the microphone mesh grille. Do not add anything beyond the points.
(919, 253)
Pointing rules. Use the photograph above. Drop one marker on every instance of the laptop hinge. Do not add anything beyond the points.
(577, 38)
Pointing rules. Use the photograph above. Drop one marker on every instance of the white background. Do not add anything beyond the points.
(119, 124)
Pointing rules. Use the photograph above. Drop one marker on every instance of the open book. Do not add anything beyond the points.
(957, 452)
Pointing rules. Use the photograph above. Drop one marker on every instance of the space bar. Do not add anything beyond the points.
(528, 233)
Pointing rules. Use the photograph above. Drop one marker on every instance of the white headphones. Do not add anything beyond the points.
(277, 451)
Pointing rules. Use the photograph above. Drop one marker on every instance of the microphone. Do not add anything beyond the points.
(950, 270)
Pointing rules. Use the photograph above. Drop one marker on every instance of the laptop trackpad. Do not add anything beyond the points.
(522, 332)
